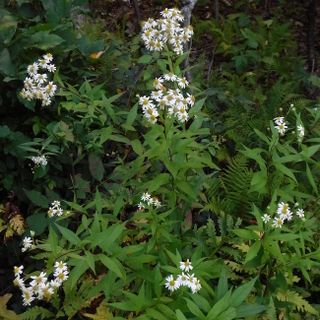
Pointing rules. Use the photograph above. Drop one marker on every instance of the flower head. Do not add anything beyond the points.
(171, 283)
(186, 265)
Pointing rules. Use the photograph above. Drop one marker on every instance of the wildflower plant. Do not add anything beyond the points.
(37, 85)
(39, 287)
(166, 32)
(185, 279)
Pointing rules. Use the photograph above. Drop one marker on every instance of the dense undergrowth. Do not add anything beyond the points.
(137, 186)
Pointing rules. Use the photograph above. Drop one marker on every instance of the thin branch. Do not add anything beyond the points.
(187, 11)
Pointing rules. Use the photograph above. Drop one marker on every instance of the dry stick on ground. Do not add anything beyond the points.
(187, 11)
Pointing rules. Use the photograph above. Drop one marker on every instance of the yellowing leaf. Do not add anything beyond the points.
(96, 55)
(6, 314)
(102, 313)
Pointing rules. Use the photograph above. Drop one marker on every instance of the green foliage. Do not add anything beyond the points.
(212, 181)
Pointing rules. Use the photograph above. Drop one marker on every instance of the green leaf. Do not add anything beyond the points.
(253, 251)
(96, 166)
(145, 59)
(241, 293)
(6, 66)
(194, 309)
(246, 234)
(37, 198)
(114, 265)
(250, 310)
(77, 271)
(4, 131)
(180, 315)
(44, 40)
(8, 26)
(69, 235)
(38, 222)
(311, 179)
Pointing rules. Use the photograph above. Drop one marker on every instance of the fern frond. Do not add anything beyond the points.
(36, 313)
(300, 303)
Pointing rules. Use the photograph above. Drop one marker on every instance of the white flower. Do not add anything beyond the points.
(278, 120)
(27, 296)
(186, 265)
(55, 284)
(281, 128)
(266, 218)
(183, 279)
(35, 86)
(18, 270)
(156, 202)
(300, 213)
(61, 275)
(146, 197)
(171, 283)
(166, 31)
(48, 57)
(300, 130)
(40, 160)
(60, 266)
(141, 206)
(170, 77)
(19, 282)
(277, 222)
(45, 291)
(55, 209)
(38, 280)
(183, 83)
(27, 243)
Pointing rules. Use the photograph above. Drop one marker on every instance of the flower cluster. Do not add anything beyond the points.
(40, 287)
(27, 243)
(36, 84)
(39, 161)
(167, 31)
(183, 279)
(300, 132)
(280, 125)
(148, 200)
(55, 209)
(171, 100)
(283, 213)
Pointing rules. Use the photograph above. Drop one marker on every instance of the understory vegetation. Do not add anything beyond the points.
(164, 169)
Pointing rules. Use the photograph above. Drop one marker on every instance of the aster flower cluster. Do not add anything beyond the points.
(162, 98)
(280, 125)
(39, 161)
(283, 213)
(36, 84)
(183, 279)
(27, 244)
(167, 31)
(55, 209)
(40, 287)
(148, 200)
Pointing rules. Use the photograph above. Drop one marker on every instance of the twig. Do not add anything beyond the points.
(216, 10)
(187, 11)
(137, 10)
(210, 65)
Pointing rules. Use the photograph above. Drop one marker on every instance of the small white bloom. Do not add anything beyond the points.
(171, 283)
(300, 213)
(266, 218)
(300, 131)
(27, 296)
(277, 222)
(186, 265)
(27, 243)
(18, 270)
(146, 197)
